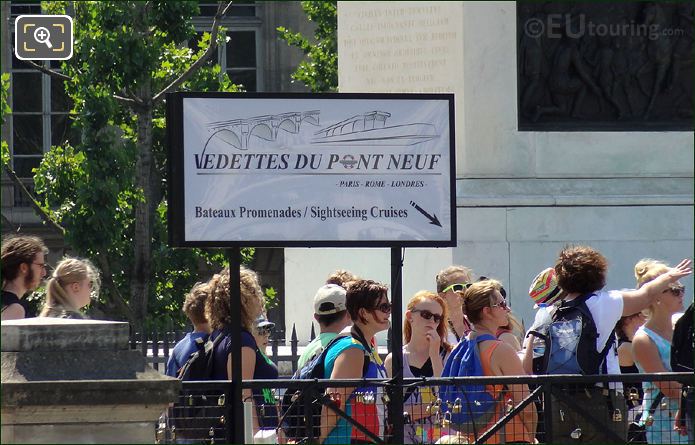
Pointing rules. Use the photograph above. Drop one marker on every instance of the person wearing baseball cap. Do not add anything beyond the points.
(331, 314)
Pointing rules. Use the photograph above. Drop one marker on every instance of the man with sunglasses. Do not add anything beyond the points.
(451, 283)
(23, 269)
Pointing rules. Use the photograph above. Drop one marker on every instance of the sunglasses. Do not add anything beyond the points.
(456, 287)
(677, 290)
(384, 307)
(265, 330)
(427, 315)
(502, 304)
(502, 291)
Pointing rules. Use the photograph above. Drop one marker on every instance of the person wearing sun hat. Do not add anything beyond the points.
(545, 293)
(544, 288)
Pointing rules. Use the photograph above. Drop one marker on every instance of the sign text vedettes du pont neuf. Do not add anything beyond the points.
(316, 161)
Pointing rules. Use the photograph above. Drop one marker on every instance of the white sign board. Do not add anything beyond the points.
(311, 170)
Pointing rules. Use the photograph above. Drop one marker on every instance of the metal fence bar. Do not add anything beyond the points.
(155, 348)
(548, 412)
(548, 385)
(507, 417)
(293, 348)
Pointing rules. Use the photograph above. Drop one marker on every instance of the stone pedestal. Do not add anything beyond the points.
(520, 195)
(76, 381)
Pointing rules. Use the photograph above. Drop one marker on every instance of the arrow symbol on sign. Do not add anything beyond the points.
(433, 218)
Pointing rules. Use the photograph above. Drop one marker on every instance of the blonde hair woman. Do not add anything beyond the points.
(651, 348)
(451, 283)
(487, 310)
(70, 288)
(424, 353)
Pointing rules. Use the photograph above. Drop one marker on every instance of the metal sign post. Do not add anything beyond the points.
(235, 408)
(396, 405)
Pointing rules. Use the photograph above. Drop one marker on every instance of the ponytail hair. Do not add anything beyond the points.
(477, 297)
(68, 271)
(647, 270)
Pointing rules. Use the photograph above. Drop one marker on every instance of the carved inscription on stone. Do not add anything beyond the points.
(398, 46)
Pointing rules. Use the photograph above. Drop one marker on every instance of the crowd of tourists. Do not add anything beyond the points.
(464, 327)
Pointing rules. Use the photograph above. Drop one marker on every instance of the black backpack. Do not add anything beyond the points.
(199, 364)
(570, 341)
(198, 412)
(294, 419)
(683, 342)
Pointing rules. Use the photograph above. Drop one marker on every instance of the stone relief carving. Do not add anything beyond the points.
(605, 66)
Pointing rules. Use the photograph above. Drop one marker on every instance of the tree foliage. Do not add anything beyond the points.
(319, 71)
(108, 190)
(4, 110)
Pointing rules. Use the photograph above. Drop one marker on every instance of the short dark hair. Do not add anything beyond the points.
(581, 269)
(329, 319)
(363, 294)
(18, 250)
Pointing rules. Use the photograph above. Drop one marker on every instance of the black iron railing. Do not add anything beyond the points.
(556, 402)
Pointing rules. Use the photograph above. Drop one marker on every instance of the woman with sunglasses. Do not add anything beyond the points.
(508, 333)
(354, 357)
(651, 348)
(488, 310)
(424, 352)
(451, 284)
(265, 369)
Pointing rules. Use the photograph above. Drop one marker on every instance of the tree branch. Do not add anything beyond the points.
(45, 70)
(34, 203)
(129, 102)
(221, 12)
(7, 223)
(107, 278)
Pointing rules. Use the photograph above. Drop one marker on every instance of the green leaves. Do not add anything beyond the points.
(4, 110)
(319, 71)
(90, 187)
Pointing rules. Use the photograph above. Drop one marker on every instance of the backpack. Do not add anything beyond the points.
(683, 342)
(570, 341)
(467, 407)
(294, 417)
(198, 412)
(200, 362)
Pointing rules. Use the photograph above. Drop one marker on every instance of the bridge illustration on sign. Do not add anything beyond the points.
(370, 129)
(238, 132)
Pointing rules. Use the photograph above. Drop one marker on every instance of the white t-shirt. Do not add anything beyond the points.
(607, 307)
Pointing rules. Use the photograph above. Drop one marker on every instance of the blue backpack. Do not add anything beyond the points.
(469, 407)
(570, 341)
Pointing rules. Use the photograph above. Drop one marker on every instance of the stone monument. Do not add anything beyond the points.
(524, 192)
(77, 381)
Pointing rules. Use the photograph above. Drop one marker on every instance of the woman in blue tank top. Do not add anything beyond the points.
(651, 348)
(354, 357)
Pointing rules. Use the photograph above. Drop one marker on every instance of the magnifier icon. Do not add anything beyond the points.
(42, 35)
